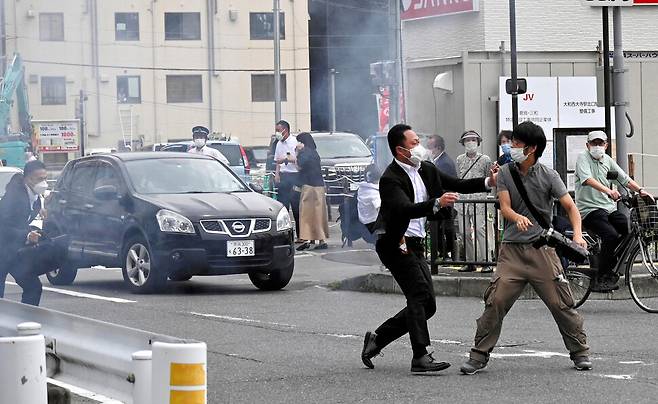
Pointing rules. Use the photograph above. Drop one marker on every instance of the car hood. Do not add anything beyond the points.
(216, 205)
(348, 160)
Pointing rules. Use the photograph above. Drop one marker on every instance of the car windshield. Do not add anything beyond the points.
(332, 147)
(182, 176)
(4, 180)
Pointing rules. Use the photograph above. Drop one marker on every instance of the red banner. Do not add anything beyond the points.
(415, 9)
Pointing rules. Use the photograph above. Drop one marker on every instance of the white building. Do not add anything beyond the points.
(151, 70)
(557, 39)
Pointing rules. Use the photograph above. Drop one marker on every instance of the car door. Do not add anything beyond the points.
(106, 216)
(75, 205)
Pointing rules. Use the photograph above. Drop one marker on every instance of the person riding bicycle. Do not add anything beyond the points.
(596, 201)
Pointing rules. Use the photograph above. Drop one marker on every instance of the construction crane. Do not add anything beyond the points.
(12, 83)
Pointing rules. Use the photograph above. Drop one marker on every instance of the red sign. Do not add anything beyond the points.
(416, 9)
(645, 2)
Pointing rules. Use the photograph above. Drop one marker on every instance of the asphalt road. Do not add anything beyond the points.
(303, 344)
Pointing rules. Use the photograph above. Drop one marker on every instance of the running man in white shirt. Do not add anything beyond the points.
(200, 136)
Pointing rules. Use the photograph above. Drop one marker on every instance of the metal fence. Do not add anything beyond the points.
(476, 239)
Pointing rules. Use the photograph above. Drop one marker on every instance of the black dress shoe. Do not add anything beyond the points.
(304, 246)
(486, 270)
(370, 349)
(427, 363)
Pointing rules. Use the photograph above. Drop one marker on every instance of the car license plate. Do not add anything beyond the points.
(240, 248)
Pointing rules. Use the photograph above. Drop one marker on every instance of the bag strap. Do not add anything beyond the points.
(472, 165)
(524, 195)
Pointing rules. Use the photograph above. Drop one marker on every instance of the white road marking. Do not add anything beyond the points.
(632, 363)
(84, 393)
(528, 353)
(240, 320)
(618, 377)
(446, 341)
(82, 295)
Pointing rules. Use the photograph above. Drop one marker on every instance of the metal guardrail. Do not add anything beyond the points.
(91, 354)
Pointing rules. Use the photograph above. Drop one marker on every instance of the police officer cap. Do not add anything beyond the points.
(200, 130)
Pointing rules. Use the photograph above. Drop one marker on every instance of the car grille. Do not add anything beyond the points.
(237, 227)
(356, 172)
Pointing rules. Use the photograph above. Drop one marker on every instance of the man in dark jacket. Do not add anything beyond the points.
(18, 208)
(446, 235)
(412, 190)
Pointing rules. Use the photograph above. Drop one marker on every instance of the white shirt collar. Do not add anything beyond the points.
(408, 168)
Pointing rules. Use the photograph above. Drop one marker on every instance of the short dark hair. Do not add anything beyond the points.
(439, 142)
(504, 134)
(531, 134)
(32, 166)
(396, 136)
(285, 124)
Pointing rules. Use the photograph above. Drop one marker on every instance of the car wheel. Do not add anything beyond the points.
(65, 275)
(275, 280)
(180, 277)
(139, 271)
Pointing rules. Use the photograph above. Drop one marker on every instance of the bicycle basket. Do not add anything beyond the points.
(644, 215)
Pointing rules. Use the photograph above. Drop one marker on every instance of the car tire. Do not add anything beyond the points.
(139, 272)
(179, 277)
(275, 280)
(63, 276)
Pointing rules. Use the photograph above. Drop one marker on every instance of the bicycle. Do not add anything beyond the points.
(636, 254)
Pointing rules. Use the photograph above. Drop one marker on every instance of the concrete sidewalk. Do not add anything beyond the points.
(448, 282)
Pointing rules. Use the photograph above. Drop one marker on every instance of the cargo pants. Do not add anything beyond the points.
(518, 265)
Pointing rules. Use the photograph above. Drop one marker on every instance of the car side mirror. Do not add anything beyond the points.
(612, 175)
(256, 187)
(106, 192)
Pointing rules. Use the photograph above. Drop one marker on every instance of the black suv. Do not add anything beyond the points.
(159, 215)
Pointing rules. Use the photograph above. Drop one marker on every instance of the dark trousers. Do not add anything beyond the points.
(412, 273)
(26, 278)
(446, 241)
(611, 228)
(288, 196)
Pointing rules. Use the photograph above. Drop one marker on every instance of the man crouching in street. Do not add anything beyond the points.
(519, 262)
(412, 190)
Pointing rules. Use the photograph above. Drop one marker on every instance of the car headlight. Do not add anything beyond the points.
(283, 220)
(172, 222)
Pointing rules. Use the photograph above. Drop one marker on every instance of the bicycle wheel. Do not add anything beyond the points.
(642, 275)
(579, 283)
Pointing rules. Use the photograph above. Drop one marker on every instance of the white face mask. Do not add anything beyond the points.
(40, 187)
(418, 154)
(517, 154)
(199, 143)
(278, 135)
(597, 152)
(471, 146)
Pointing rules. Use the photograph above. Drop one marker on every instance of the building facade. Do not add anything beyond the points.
(151, 70)
(556, 41)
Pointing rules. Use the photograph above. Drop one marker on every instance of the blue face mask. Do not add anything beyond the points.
(506, 148)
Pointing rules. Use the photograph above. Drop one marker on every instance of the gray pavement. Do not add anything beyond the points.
(302, 344)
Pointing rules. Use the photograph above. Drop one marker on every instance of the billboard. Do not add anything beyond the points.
(57, 136)
(417, 9)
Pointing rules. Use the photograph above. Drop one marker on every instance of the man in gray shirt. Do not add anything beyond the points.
(519, 262)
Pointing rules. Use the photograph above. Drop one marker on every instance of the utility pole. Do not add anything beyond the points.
(619, 94)
(606, 73)
(3, 37)
(332, 98)
(277, 62)
(395, 87)
(81, 116)
(513, 70)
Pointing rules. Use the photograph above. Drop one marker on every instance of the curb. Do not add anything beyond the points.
(453, 286)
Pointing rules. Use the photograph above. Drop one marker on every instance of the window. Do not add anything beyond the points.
(106, 175)
(51, 26)
(126, 26)
(182, 26)
(82, 179)
(129, 90)
(262, 87)
(261, 26)
(184, 88)
(53, 90)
